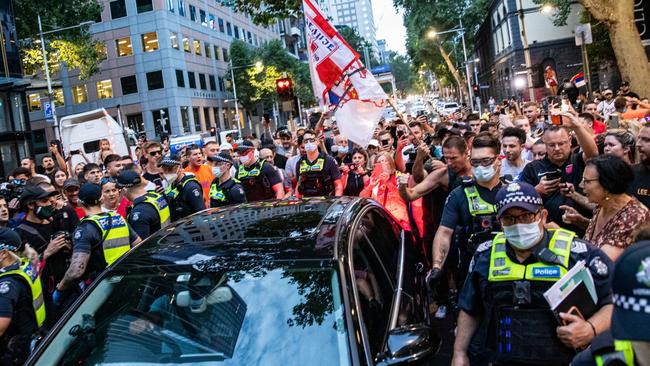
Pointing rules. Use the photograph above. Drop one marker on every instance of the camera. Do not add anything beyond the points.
(66, 235)
(12, 189)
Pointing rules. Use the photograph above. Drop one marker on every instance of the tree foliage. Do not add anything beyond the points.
(358, 43)
(257, 85)
(74, 47)
(267, 11)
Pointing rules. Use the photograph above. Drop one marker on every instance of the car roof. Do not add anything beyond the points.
(295, 229)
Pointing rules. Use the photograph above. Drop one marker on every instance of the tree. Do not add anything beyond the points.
(420, 17)
(358, 43)
(75, 47)
(618, 18)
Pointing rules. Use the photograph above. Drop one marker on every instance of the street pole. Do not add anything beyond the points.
(469, 87)
(234, 94)
(529, 65)
(585, 63)
(478, 98)
(57, 133)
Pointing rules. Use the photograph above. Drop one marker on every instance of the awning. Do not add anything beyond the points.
(9, 84)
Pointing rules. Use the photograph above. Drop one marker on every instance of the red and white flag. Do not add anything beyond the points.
(340, 78)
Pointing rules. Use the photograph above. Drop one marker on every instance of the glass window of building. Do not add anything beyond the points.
(124, 47)
(186, 44)
(58, 97)
(228, 29)
(161, 123)
(212, 24)
(202, 82)
(185, 119)
(173, 40)
(181, 8)
(104, 89)
(129, 85)
(192, 13)
(34, 102)
(101, 47)
(150, 42)
(143, 5)
(118, 9)
(79, 94)
(191, 79)
(226, 57)
(197, 47)
(213, 83)
(237, 32)
(207, 48)
(155, 80)
(170, 5)
(203, 17)
(221, 28)
(180, 78)
(217, 55)
(197, 120)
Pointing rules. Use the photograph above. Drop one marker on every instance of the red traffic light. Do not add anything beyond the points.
(284, 88)
(213, 131)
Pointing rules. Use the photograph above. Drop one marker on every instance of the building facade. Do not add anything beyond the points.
(167, 67)
(16, 138)
(355, 14)
(502, 68)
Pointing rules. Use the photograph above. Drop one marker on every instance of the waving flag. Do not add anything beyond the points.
(579, 79)
(339, 78)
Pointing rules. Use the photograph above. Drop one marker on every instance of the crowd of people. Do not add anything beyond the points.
(571, 177)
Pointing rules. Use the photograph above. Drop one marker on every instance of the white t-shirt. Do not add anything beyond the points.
(508, 169)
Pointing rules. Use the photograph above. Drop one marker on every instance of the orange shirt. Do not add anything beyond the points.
(635, 113)
(205, 176)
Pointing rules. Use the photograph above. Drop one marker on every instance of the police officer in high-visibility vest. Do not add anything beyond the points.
(628, 340)
(22, 310)
(506, 284)
(259, 179)
(224, 190)
(184, 192)
(150, 211)
(469, 216)
(99, 240)
(317, 173)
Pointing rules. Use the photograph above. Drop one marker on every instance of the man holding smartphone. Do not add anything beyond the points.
(560, 165)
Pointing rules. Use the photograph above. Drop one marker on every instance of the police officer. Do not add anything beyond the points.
(184, 192)
(259, 179)
(22, 310)
(628, 340)
(469, 215)
(508, 277)
(318, 174)
(224, 189)
(100, 239)
(150, 211)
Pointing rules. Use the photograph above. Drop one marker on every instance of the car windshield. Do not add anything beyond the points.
(263, 315)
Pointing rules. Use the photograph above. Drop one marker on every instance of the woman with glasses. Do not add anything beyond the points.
(617, 215)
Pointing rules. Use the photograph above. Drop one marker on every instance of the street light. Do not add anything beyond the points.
(57, 133)
(258, 65)
(433, 34)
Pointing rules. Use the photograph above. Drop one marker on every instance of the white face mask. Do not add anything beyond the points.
(244, 159)
(343, 149)
(217, 172)
(311, 146)
(171, 177)
(483, 173)
(256, 155)
(335, 148)
(523, 236)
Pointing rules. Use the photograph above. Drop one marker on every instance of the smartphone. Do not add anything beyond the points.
(75, 152)
(614, 121)
(553, 175)
(565, 105)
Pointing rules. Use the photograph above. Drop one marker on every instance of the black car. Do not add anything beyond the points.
(293, 282)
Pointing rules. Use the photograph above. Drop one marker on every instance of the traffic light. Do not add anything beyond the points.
(475, 88)
(213, 131)
(284, 87)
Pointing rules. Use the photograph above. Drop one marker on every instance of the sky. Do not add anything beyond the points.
(389, 25)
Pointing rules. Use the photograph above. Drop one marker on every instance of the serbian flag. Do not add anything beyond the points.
(579, 79)
(340, 79)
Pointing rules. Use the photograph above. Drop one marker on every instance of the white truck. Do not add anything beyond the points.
(83, 132)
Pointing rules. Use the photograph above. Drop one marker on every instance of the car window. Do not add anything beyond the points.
(257, 314)
(374, 258)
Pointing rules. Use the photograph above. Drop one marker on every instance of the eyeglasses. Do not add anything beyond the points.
(107, 180)
(584, 180)
(154, 153)
(483, 162)
(525, 218)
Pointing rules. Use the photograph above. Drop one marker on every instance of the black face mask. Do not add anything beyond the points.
(44, 212)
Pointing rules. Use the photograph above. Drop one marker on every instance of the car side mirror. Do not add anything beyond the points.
(409, 343)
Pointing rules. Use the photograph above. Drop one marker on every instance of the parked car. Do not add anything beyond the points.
(449, 108)
(293, 282)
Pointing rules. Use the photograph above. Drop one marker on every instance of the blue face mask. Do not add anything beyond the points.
(343, 149)
(437, 152)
